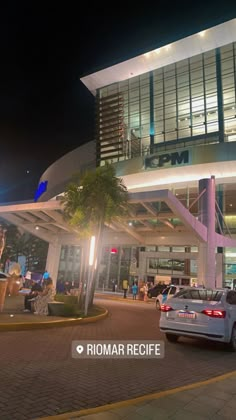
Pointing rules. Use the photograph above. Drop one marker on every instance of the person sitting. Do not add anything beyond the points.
(45, 277)
(43, 298)
(36, 288)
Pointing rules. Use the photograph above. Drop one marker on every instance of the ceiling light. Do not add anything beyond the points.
(202, 34)
(37, 227)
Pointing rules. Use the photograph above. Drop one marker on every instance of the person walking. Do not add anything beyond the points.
(125, 286)
(134, 290)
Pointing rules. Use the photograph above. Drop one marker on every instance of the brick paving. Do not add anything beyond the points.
(38, 376)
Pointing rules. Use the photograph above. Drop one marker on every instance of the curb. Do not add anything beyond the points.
(137, 400)
(121, 299)
(23, 326)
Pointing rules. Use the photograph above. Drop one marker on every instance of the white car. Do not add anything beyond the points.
(166, 294)
(201, 313)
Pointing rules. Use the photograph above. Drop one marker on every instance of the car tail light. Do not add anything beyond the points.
(166, 308)
(214, 313)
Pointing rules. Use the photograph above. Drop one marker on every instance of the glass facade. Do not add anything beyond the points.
(184, 104)
(69, 265)
(190, 100)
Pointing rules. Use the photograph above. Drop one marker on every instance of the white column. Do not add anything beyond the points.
(207, 217)
(53, 258)
(202, 264)
(211, 246)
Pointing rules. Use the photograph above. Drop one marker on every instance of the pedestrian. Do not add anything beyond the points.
(125, 286)
(134, 290)
(145, 289)
(46, 276)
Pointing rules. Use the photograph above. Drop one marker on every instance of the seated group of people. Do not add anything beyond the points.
(39, 297)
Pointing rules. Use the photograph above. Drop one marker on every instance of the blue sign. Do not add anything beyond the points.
(40, 190)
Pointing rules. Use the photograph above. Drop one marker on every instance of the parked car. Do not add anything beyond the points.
(201, 313)
(167, 293)
(155, 290)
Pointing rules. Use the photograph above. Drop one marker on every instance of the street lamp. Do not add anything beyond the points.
(91, 261)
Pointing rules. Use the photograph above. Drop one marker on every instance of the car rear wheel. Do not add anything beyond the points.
(172, 338)
(232, 343)
(158, 305)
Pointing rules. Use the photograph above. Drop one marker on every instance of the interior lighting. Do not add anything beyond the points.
(37, 227)
(130, 224)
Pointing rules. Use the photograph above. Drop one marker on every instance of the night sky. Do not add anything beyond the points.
(45, 111)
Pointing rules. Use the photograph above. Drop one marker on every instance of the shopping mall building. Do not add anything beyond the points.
(167, 121)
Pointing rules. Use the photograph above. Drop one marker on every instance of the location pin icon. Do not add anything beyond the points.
(80, 349)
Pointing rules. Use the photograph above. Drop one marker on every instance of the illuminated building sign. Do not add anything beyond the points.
(40, 190)
(167, 159)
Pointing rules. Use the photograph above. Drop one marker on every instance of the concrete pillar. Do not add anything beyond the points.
(187, 262)
(53, 259)
(202, 264)
(207, 217)
(219, 269)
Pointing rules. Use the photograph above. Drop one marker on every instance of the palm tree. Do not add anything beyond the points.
(97, 199)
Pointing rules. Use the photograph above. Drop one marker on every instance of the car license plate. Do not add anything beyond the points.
(188, 315)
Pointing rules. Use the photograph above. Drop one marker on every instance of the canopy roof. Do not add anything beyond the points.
(152, 215)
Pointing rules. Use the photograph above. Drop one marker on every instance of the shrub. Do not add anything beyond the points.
(72, 300)
(70, 310)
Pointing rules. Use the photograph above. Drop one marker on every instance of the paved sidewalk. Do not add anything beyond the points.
(13, 312)
(212, 399)
(119, 296)
(13, 318)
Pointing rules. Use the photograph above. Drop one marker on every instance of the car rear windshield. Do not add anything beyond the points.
(199, 294)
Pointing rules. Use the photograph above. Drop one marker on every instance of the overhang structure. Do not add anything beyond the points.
(190, 46)
(153, 215)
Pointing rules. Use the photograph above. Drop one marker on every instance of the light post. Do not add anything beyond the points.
(90, 273)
